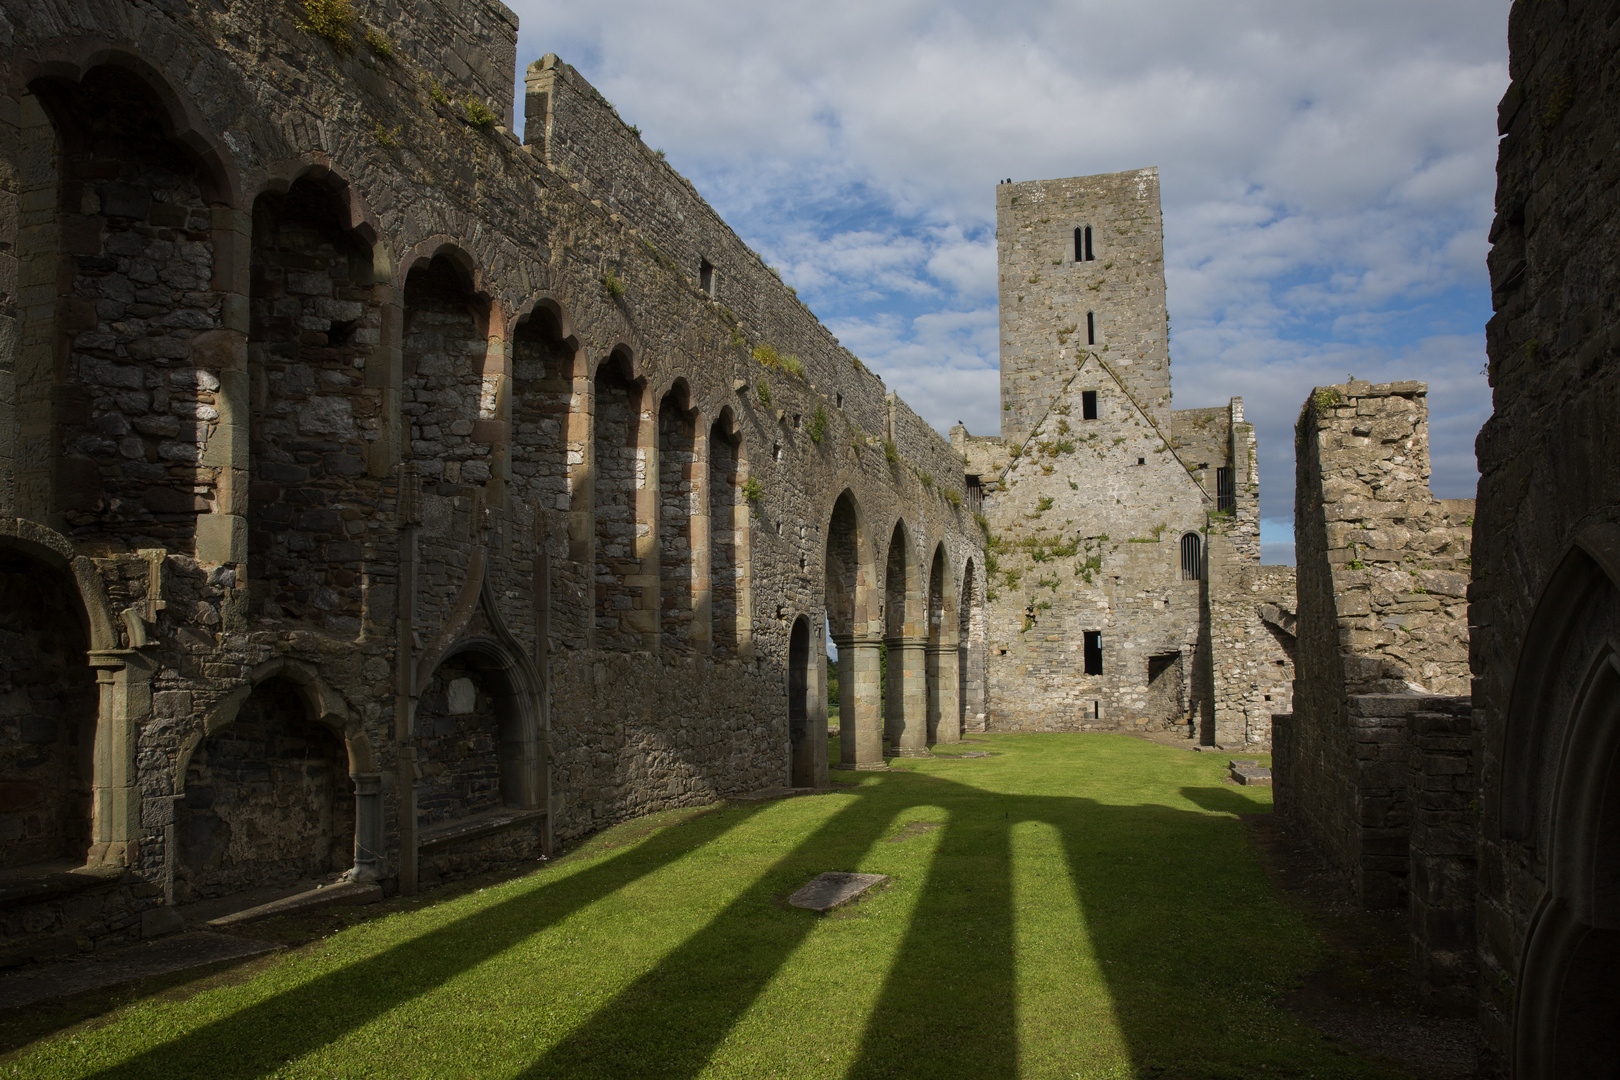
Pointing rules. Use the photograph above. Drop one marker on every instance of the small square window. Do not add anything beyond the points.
(1088, 404)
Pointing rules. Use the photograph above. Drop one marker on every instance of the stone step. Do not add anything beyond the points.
(1252, 775)
(344, 892)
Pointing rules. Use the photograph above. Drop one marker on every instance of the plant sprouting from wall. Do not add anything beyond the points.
(818, 424)
(891, 453)
(763, 392)
(330, 19)
(379, 43)
(613, 283)
(752, 491)
(767, 355)
(480, 115)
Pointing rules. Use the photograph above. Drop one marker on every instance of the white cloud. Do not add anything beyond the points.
(1326, 172)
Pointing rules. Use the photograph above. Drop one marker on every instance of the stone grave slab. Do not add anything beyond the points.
(827, 891)
(1253, 776)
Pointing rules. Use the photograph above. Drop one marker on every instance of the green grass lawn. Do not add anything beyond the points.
(1076, 906)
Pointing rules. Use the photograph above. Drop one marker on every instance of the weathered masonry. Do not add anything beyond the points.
(1124, 586)
(1545, 600)
(383, 495)
(1375, 762)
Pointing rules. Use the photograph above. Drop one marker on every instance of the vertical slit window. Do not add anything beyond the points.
(975, 494)
(1225, 493)
(706, 277)
(1094, 652)
(1192, 558)
(1089, 255)
(1079, 245)
(1091, 328)
(1088, 404)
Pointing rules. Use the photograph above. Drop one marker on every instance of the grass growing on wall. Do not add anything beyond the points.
(1075, 906)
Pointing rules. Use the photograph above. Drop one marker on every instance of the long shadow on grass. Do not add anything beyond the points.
(669, 1021)
(263, 1037)
(948, 1005)
(1172, 906)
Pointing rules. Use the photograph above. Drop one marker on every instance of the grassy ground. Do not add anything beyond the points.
(1076, 906)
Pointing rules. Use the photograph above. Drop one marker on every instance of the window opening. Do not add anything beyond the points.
(1141, 461)
(1089, 255)
(1091, 328)
(975, 494)
(1192, 558)
(1094, 652)
(1225, 494)
(1088, 404)
(1079, 245)
(706, 276)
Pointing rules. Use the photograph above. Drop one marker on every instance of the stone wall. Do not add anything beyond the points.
(1368, 750)
(1350, 784)
(1443, 847)
(1251, 647)
(1383, 565)
(431, 406)
(1543, 600)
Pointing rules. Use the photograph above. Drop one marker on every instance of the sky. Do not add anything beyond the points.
(1326, 170)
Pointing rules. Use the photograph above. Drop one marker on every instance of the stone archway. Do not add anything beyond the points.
(266, 799)
(1560, 797)
(48, 716)
(480, 795)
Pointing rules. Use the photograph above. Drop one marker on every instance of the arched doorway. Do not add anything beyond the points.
(807, 740)
(944, 686)
(970, 652)
(1560, 799)
(48, 703)
(267, 800)
(846, 588)
(905, 713)
(477, 750)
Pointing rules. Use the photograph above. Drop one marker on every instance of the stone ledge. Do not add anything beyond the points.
(344, 892)
(447, 833)
(52, 881)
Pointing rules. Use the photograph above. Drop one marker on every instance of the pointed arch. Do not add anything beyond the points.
(1560, 797)
(905, 618)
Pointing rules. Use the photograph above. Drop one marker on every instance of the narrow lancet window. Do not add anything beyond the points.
(1192, 558)
(1091, 328)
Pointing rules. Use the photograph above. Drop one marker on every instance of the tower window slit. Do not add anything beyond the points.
(1094, 652)
(1091, 328)
(1089, 255)
(1225, 493)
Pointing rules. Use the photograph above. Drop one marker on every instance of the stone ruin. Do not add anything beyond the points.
(386, 495)
(1124, 588)
(1375, 759)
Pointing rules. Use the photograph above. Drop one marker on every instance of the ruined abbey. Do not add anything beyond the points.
(386, 495)
(1125, 590)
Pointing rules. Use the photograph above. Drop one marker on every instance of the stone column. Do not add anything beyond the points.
(861, 703)
(944, 704)
(222, 535)
(125, 681)
(700, 632)
(643, 618)
(908, 668)
(370, 843)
